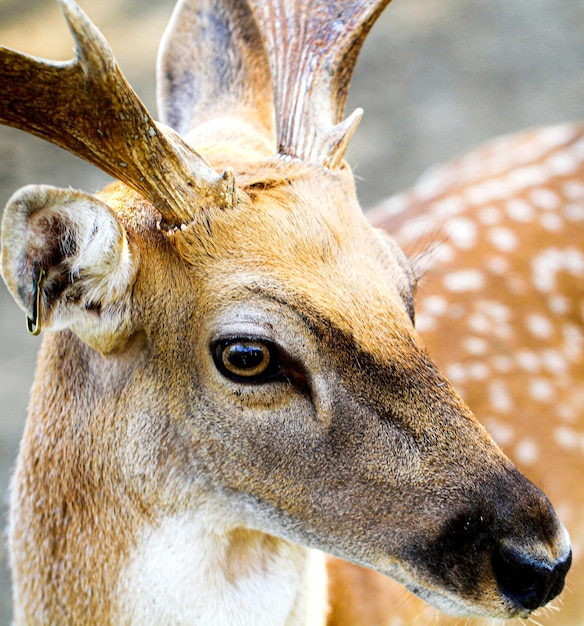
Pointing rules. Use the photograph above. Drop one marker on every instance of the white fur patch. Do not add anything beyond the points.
(185, 572)
(103, 253)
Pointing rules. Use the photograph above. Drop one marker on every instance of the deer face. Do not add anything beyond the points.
(285, 344)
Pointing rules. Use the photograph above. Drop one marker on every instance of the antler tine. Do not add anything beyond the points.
(87, 107)
(313, 47)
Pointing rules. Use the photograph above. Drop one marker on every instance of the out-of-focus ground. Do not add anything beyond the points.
(436, 78)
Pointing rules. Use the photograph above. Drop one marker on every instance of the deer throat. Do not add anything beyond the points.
(181, 572)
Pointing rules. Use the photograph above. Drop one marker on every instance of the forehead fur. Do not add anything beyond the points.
(302, 237)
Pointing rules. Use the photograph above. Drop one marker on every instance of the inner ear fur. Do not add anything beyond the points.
(89, 264)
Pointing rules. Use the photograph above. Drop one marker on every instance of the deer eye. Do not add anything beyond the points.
(246, 360)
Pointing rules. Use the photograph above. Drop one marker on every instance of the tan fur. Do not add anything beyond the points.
(356, 444)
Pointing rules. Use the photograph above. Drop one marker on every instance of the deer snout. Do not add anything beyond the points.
(530, 561)
(530, 581)
(506, 556)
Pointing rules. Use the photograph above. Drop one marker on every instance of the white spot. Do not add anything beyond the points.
(516, 285)
(573, 340)
(541, 390)
(578, 149)
(465, 280)
(425, 323)
(545, 199)
(502, 433)
(489, 215)
(566, 437)
(554, 361)
(449, 206)
(575, 262)
(504, 332)
(527, 360)
(562, 163)
(565, 412)
(574, 190)
(498, 311)
(497, 265)
(479, 323)
(435, 305)
(462, 233)
(478, 371)
(546, 265)
(394, 205)
(475, 345)
(492, 319)
(531, 151)
(503, 239)
(416, 229)
(569, 439)
(539, 326)
(487, 191)
(442, 254)
(558, 135)
(525, 177)
(544, 268)
(502, 364)
(526, 452)
(558, 304)
(574, 212)
(519, 210)
(456, 373)
(499, 397)
(552, 222)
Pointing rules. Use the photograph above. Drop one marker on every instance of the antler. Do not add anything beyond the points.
(87, 107)
(217, 57)
(313, 47)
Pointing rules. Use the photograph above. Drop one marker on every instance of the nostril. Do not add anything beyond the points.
(527, 581)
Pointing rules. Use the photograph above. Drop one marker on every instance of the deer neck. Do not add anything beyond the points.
(185, 572)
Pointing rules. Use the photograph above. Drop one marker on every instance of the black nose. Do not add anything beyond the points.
(526, 581)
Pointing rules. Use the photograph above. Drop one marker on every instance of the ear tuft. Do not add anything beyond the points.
(90, 268)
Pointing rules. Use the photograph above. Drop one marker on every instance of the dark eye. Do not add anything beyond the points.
(246, 360)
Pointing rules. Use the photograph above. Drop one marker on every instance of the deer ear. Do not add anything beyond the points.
(68, 264)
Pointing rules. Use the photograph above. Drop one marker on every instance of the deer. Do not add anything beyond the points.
(232, 407)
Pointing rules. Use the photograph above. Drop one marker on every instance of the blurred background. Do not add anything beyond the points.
(436, 78)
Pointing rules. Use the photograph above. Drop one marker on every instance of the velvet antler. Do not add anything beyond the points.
(263, 60)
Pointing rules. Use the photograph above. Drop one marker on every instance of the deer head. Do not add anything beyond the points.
(234, 341)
